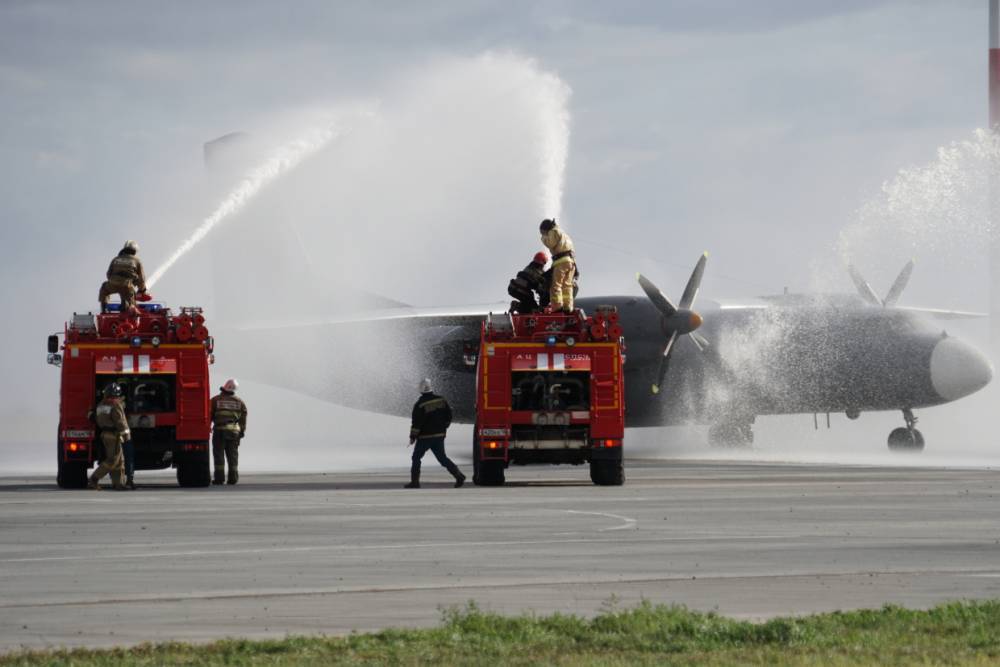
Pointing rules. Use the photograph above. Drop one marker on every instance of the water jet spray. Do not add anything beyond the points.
(284, 158)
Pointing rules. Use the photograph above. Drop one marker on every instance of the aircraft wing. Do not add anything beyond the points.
(941, 314)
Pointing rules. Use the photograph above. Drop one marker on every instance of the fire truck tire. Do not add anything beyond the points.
(72, 475)
(607, 473)
(491, 473)
(193, 470)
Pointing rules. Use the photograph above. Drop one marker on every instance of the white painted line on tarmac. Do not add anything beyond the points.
(629, 523)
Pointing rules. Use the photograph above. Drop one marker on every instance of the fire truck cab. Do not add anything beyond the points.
(550, 389)
(160, 360)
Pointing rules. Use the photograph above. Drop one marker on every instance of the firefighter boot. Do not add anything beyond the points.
(414, 478)
(233, 477)
(457, 474)
(130, 483)
(93, 485)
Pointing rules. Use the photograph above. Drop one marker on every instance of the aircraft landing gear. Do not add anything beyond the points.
(907, 438)
(731, 434)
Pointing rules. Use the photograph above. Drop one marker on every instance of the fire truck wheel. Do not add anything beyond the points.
(193, 470)
(72, 475)
(607, 473)
(485, 473)
(491, 473)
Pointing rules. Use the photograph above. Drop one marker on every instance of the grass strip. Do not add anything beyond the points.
(958, 633)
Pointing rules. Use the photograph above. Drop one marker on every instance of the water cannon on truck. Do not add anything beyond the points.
(160, 360)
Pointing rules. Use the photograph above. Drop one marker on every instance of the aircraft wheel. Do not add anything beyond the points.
(607, 473)
(903, 439)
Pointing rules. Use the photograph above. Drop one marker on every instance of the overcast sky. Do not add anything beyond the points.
(755, 130)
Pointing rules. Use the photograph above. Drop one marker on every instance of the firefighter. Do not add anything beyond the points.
(229, 419)
(110, 417)
(527, 282)
(563, 265)
(125, 278)
(431, 418)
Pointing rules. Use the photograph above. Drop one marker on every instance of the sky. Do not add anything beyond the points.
(758, 131)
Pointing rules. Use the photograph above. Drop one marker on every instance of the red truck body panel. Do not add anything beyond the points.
(550, 388)
(162, 361)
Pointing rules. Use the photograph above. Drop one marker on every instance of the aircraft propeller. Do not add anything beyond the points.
(869, 295)
(677, 320)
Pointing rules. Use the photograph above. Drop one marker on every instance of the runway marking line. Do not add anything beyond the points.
(628, 524)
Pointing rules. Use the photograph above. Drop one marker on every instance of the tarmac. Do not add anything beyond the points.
(336, 553)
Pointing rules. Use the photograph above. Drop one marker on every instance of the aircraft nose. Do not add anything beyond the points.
(958, 369)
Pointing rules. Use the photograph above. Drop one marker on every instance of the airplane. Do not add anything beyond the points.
(722, 365)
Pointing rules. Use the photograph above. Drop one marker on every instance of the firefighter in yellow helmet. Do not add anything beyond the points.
(563, 265)
(110, 417)
(229, 420)
(125, 278)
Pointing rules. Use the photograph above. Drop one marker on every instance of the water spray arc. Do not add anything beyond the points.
(554, 122)
(285, 158)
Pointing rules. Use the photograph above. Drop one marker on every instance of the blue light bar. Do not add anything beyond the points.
(136, 341)
(551, 340)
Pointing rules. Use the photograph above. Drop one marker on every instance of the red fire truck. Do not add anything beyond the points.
(160, 360)
(550, 389)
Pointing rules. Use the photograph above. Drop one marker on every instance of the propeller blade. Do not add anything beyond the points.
(700, 341)
(664, 363)
(898, 286)
(864, 289)
(659, 300)
(694, 282)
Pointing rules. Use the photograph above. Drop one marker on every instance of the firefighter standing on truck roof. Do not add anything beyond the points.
(110, 417)
(563, 265)
(125, 277)
(431, 418)
(229, 420)
(528, 281)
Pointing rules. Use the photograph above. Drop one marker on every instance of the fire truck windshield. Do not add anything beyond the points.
(143, 394)
(551, 390)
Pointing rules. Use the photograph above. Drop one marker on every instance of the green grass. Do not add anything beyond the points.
(959, 633)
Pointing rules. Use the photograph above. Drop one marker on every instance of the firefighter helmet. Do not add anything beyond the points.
(425, 386)
(131, 246)
(231, 385)
(540, 258)
(547, 225)
(112, 390)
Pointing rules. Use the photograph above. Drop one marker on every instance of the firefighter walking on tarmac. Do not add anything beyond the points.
(125, 278)
(229, 425)
(563, 265)
(431, 418)
(110, 417)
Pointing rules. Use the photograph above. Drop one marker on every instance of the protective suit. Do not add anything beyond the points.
(563, 265)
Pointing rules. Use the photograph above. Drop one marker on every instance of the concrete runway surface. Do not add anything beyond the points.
(332, 553)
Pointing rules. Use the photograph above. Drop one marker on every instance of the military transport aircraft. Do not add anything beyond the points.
(721, 366)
